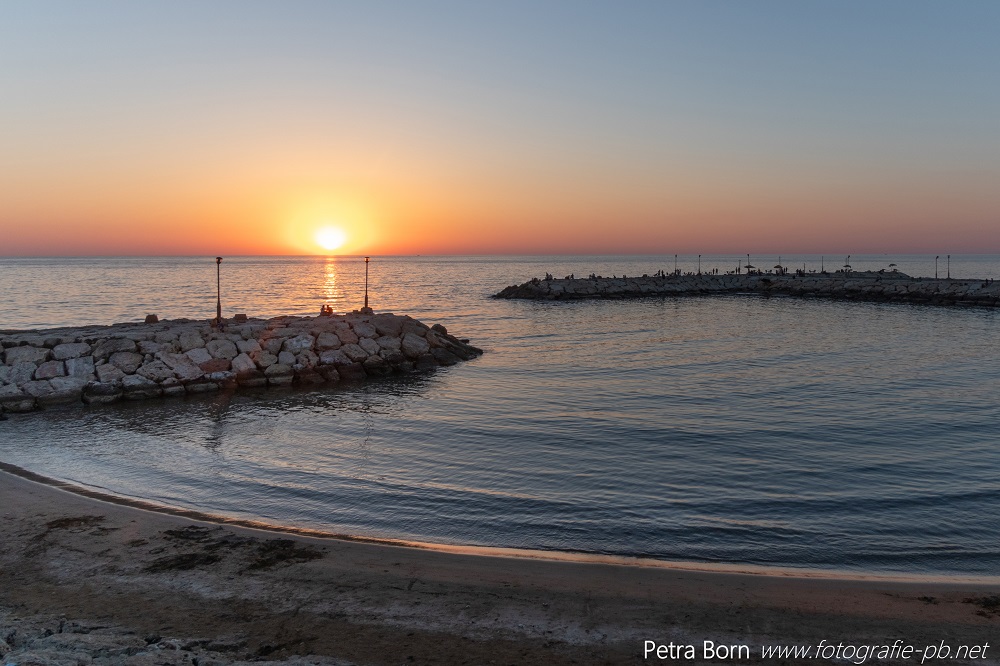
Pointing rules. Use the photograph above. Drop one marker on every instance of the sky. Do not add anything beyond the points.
(425, 127)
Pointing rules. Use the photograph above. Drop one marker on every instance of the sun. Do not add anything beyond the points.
(330, 238)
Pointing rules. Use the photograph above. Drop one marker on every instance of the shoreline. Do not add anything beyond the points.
(261, 593)
(784, 572)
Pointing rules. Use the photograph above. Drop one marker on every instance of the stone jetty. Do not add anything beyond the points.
(102, 364)
(855, 285)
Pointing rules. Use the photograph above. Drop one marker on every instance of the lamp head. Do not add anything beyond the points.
(218, 260)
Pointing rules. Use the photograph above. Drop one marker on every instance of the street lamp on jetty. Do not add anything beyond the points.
(935, 266)
(949, 266)
(218, 291)
(366, 309)
(699, 264)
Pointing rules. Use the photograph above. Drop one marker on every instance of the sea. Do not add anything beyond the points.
(740, 430)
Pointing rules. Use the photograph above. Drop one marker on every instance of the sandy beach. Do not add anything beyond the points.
(87, 580)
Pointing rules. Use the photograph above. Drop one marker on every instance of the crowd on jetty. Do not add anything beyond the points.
(170, 358)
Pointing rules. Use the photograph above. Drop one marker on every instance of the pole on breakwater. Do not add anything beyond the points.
(366, 309)
(935, 266)
(949, 266)
(699, 264)
(218, 291)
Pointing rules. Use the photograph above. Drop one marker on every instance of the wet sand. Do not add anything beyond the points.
(162, 589)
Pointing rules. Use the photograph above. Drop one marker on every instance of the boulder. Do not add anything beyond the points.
(307, 359)
(352, 372)
(183, 367)
(70, 350)
(369, 345)
(50, 369)
(81, 367)
(225, 349)
(65, 389)
(279, 374)
(223, 378)
(329, 373)
(21, 372)
(388, 324)
(137, 387)
(243, 365)
(150, 347)
(215, 365)
(425, 363)
(172, 387)
(334, 357)
(264, 359)
(272, 345)
(345, 334)
(444, 357)
(327, 340)
(156, 371)
(389, 342)
(201, 386)
(354, 352)
(34, 355)
(198, 355)
(13, 399)
(189, 340)
(364, 330)
(247, 346)
(252, 379)
(109, 347)
(298, 344)
(286, 358)
(107, 373)
(376, 365)
(414, 346)
(127, 362)
(440, 329)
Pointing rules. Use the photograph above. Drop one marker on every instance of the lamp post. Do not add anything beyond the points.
(935, 266)
(675, 264)
(218, 291)
(949, 266)
(699, 264)
(366, 282)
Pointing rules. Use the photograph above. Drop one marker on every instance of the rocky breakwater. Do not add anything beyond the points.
(170, 358)
(863, 286)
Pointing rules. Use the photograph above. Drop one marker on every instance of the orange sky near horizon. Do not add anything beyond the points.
(244, 128)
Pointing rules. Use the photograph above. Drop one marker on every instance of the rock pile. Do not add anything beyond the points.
(140, 361)
(866, 286)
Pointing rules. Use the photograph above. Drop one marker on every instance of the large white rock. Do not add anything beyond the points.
(222, 349)
(264, 359)
(81, 367)
(388, 324)
(108, 373)
(109, 347)
(183, 367)
(189, 340)
(50, 369)
(156, 371)
(70, 350)
(243, 364)
(364, 330)
(24, 354)
(334, 357)
(247, 346)
(21, 372)
(369, 345)
(198, 355)
(354, 352)
(137, 387)
(298, 344)
(327, 340)
(389, 342)
(413, 345)
(127, 362)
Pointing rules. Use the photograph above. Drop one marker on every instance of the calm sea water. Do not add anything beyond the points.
(738, 429)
